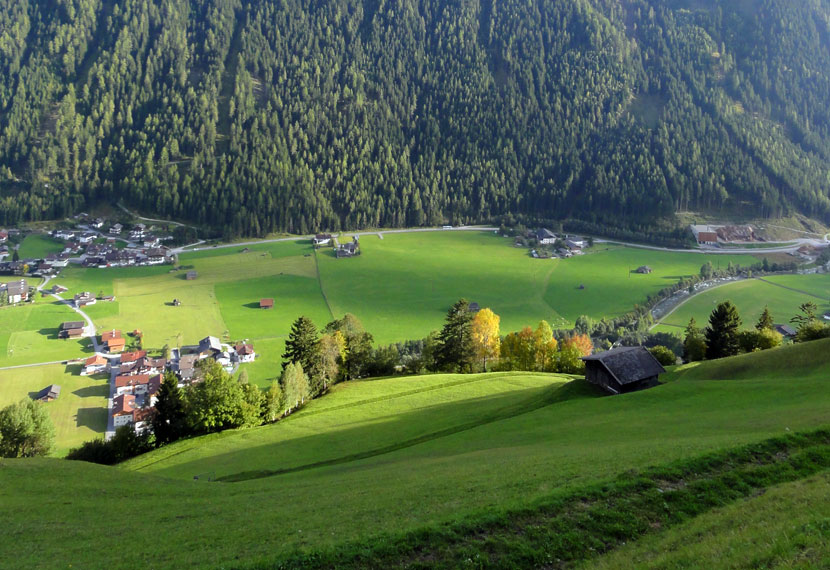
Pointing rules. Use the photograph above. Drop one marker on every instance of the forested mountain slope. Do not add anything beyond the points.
(262, 115)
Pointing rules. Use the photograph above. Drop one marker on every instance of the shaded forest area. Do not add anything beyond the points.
(297, 115)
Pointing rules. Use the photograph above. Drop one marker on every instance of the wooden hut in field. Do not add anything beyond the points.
(622, 370)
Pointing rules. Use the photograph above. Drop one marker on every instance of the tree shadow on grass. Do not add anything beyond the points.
(92, 418)
(97, 390)
(50, 333)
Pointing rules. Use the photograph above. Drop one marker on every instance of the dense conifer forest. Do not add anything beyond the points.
(297, 115)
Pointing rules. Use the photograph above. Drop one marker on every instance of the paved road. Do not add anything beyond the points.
(170, 222)
(33, 365)
(793, 246)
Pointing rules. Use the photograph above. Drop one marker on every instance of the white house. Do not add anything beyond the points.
(94, 365)
(245, 352)
(17, 291)
(123, 410)
(87, 238)
(322, 239)
(64, 234)
(116, 229)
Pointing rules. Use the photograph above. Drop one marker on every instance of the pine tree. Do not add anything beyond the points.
(169, 416)
(302, 345)
(455, 349)
(722, 334)
(694, 345)
(765, 322)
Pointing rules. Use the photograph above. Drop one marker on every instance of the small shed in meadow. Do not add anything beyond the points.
(266, 303)
(191, 275)
(49, 393)
(624, 369)
(644, 269)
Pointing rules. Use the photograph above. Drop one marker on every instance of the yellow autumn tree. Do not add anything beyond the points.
(544, 347)
(485, 333)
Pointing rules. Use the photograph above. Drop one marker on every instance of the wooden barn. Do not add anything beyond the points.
(622, 370)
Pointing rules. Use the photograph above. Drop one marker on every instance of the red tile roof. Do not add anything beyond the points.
(122, 405)
(133, 356)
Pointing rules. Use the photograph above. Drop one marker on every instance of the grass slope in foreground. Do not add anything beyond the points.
(508, 463)
(786, 527)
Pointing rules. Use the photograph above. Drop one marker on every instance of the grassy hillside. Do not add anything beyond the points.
(783, 294)
(483, 456)
(785, 527)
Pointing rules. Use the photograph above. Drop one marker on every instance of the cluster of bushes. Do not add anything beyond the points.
(26, 430)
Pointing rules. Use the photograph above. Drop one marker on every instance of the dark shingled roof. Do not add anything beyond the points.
(628, 363)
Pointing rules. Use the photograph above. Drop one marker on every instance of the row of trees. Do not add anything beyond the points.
(724, 337)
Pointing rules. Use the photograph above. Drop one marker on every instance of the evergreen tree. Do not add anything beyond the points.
(765, 321)
(722, 334)
(168, 420)
(694, 344)
(455, 349)
(302, 346)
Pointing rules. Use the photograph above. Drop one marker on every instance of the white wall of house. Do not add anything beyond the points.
(122, 420)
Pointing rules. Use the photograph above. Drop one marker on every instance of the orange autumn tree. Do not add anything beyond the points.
(485, 333)
(572, 350)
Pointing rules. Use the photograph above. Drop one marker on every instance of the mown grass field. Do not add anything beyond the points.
(783, 294)
(38, 246)
(492, 463)
(29, 334)
(79, 414)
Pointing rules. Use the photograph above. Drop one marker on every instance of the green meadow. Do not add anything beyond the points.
(400, 287)
(388, 456)
(783, 294)
(79, 414)
(29, 334)
(38, 246)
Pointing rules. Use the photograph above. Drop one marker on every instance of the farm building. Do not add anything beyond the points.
(322, 239)
(266, 303)
(574, 243)
(84, 299)
(133, 356)
(545, 236)
(71, 329)
(350, 249)
(622, 370)
(644, 269)
(49, 393)
(705, 235)
(785, 330)
(474, 307)
(191, 275)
